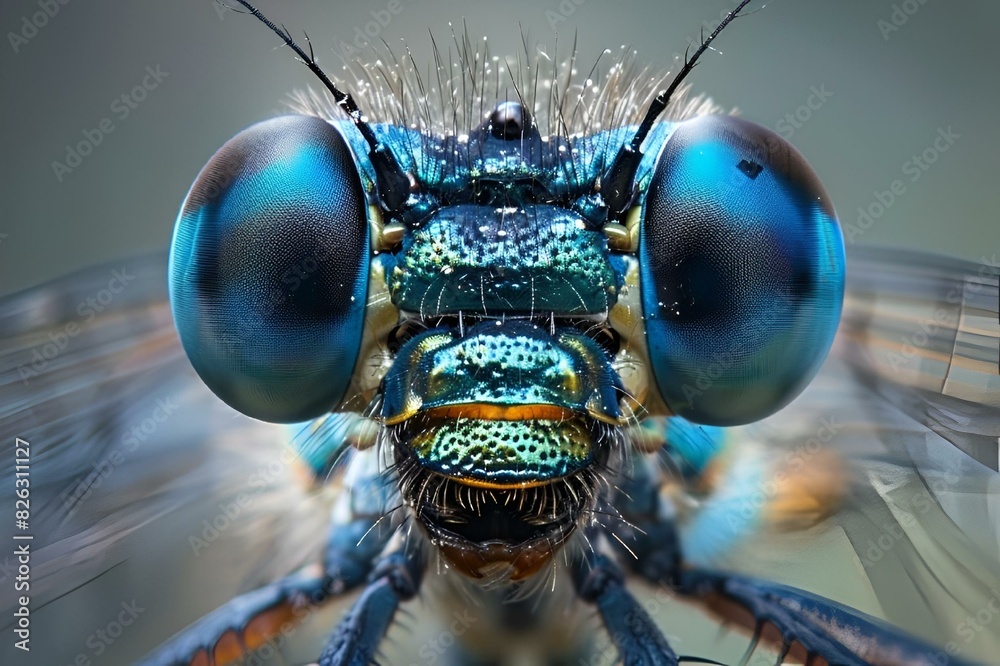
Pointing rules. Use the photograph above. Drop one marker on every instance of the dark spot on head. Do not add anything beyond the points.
(509, 121)
(802, 284)
(749, 168)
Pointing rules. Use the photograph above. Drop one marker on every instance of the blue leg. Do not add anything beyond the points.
(803, 624)
(355, 641)
(822, 627)
(653, 541)
(640, 643)
(251, 620)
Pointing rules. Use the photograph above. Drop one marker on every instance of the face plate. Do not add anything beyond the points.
(505, 418)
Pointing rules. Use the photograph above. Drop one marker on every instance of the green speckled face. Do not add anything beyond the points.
(503, 409)
(510, 367)
(510, 416)
(529, 259)
(508, 404)
(501, 453)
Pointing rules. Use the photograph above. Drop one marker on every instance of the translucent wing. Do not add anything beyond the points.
(149, 496)
(920, 336)
(909, 403)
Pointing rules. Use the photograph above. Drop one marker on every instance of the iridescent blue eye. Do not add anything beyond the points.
(269, 269)
(742, 271)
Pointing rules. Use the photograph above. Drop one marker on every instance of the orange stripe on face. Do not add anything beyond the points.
(491, 485)
(487, 412)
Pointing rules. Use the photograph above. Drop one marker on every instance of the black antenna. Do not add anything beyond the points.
(393, 183)
(618, 182)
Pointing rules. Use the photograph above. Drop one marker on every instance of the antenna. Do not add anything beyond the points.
(618, 183)
(393, 183)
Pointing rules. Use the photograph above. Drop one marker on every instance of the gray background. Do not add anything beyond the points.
(889, 97)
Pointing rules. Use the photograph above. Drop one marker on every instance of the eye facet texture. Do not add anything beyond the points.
(742, 268)
(269, 269)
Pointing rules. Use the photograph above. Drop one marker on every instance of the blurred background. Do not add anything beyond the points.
(871, 92)
(888, 80)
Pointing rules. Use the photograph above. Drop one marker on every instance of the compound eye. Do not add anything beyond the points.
(742, 269)
(269, 270)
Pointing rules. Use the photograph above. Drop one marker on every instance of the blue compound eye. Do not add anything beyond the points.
(742, 271)
(269, 270)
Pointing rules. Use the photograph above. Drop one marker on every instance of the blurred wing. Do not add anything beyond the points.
(921, 338)
(147, 492)
(909, 401)
(929, 323)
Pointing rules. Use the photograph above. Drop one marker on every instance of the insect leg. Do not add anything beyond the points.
(822, 627)
(599, 581)
(253, 619)
(801, 623)
(355, 641)
(645, 538)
